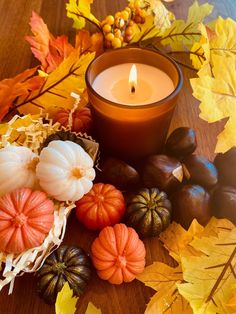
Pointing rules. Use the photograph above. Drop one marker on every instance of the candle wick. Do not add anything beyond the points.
(132, 89)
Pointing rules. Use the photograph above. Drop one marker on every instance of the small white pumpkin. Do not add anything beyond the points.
(65, 171)
(17, 168)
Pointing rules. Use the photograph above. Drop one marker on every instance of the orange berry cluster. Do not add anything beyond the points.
(119, 29)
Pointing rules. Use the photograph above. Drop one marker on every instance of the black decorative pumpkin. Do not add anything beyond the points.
(67, 263)
(148, 212)
(63, 136)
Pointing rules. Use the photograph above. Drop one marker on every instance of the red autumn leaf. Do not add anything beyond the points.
(84, 42)
(20, 85)
(40, 41)
(59, 49)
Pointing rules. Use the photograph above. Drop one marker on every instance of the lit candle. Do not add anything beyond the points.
(132, 116)
(133, 84)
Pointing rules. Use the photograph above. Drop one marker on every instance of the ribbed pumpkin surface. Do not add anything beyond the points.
(67, 263)
(118, 254)
(102, 206)
(26, 217)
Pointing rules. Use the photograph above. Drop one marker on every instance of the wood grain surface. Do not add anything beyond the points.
(15, 56)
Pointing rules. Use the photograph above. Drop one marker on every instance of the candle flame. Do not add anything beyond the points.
(133, 78)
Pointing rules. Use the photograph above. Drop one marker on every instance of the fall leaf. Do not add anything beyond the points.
(181, 34)
(162, 17)
(163, 279)
(84, 42)
(65, 302)
(21, 85)
(57, 88)
(91, 309)
(176, 239)
(79, 11)
(231, 305)
(216, 89)
(210, 278)
(48, 50)
(145, 31)
(40, 41)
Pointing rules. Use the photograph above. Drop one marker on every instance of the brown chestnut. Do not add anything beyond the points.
(191, 201)
(163, 172)
(181, 142)
(226, 166)
(199, 170)
(224, 202)
(119, 174)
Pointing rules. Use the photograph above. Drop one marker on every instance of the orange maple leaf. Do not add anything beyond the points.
(84, 42)
(20, 85)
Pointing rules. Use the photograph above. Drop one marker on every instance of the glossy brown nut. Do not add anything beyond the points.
(181, 142)
(199, 170)
(226, 166)
(191, 201)
(224, 203)
(119, 174)
(163, 172)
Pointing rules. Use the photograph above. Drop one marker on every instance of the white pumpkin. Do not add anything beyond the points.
(17, 168)
(65, 171)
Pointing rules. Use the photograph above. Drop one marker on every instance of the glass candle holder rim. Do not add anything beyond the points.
(156, 103)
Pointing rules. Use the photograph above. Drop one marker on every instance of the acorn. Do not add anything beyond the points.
(189, 202)
(223, 202)
(119, 173)
(226, 166)
(163, 172)
(181, 142)
(199, 170)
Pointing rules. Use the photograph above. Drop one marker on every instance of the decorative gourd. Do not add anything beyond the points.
(81, 119)
(67, 263)
(118, 254)
(102, 206)
(148, 212)
(17, 168)
(65, 171)
(26, 218)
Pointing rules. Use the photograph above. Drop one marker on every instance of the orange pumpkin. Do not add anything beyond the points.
(26, 216)
(118, 254)
(81, 119)
(102, 206)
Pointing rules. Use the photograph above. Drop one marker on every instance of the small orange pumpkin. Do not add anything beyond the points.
(26, 217)
(81, 119)
(118, 254)
(102, 206)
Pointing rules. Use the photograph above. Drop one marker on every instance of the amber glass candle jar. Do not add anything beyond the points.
(127, 131)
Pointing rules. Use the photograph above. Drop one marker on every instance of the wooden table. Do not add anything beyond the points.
(15, 56)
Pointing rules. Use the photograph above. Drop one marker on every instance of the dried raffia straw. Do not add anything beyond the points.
(32, 131)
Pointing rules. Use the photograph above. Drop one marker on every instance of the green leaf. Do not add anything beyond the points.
(65, 302)
(181, 34)
(79, 11)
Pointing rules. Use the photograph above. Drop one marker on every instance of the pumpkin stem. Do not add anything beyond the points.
(59, 267)
(77, 173)
(33, 163)
(121, 261)
(19, 220)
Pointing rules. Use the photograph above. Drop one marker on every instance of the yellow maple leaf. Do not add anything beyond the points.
(217, 92)
(209, 278)
(163, 279)
(79, 11)
(56, 91)
(232, 303)
(182, 34)
(65, 302)
(176, 239)
(162, 17)
(92, 309)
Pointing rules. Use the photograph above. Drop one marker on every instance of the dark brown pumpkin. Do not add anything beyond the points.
(148, 212)
(67, 263)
